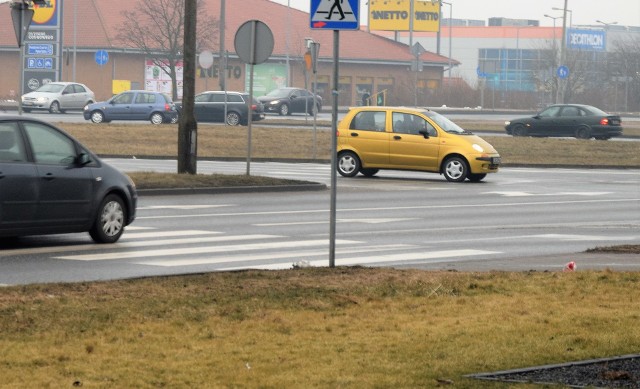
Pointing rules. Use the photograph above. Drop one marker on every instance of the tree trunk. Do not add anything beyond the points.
(188, 127)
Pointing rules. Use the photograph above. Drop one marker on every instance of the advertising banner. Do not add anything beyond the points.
(592, 40)
(157, 80)
(394, 15)
(42, 46)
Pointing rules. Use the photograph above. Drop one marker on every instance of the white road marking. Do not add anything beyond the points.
(527, 194)
(184, 207)
(301, 255)
(201, 250)
(428, 256)
(164, 234)
(582, 237)
(365, 221)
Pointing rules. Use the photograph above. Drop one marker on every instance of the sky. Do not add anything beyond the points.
(583, 12)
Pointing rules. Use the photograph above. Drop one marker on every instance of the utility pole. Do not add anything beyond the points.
(188, 127)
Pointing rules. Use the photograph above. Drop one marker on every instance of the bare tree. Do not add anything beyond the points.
(626, 71)
(156, 28)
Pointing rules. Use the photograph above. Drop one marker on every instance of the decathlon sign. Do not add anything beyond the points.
(593, 40)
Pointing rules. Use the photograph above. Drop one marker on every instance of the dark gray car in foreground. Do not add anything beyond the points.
(51, 184)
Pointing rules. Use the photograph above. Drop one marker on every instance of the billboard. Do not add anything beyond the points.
(42, 46)
(592, 40)
(395, 15)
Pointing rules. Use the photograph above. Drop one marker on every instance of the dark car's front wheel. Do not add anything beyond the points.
(110, 220)
(455, 169)
(348, 164)
(519, 130)
(284, 110)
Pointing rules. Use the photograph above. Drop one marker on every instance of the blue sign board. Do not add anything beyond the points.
(102, 57)
(594, 40)
(335, 14)
(563, 72)
(39, 49)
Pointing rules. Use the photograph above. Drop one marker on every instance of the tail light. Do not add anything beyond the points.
(167, 107)
(254, 107)
(604, 121)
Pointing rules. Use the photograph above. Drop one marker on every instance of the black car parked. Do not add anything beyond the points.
(51, 184)
(210, 107)
(568, 120)
(286, 101)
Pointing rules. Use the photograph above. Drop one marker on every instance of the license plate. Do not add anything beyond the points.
(495, 160)
(615, 122)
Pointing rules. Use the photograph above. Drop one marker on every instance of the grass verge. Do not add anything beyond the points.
(316, 327)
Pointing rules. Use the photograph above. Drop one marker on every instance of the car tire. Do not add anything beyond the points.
(157, 118)
(348, 164)
(476, 177)
(583, 132)
(110, 220)
(175, 119)
(97, 117)
(54, 107)
(455, 169)
(369, 172)
(233, 118)
(519, 130)
(284, 110)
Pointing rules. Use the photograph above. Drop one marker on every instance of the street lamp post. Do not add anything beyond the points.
(555, 54)
(570, 14)
(560, 91)
(450, 33)
(606, 25)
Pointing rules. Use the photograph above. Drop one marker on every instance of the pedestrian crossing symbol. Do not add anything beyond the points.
(335, 14)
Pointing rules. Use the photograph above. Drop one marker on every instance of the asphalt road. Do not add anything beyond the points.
(519, 219)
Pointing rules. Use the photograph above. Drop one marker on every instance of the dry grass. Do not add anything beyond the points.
(344, 327)
(153, 180)
(279, 143)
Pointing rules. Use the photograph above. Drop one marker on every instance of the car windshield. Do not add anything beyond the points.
(278, 93)
(51, 88)
(446, 124)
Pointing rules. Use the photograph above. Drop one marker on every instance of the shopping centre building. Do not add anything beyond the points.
(499, 62)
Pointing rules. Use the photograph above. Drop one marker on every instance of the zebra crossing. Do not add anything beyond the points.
(218, 251)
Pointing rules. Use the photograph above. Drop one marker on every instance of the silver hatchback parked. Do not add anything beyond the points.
(58, 97)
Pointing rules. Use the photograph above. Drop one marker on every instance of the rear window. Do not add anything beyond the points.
(167, 98)
(369, 121)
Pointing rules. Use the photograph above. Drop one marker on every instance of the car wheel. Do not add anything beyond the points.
(233, 118)
(455, 169)
(97, 117)
(369, 172)
(175, 119)
(54, 107)
(284, 110)
(583, 132)
(476, 177)
(519, 130)
(348, 164)
(157, 118)
(110, 220)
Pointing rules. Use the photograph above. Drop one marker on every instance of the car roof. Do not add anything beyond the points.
(221, 91)
(390, 108)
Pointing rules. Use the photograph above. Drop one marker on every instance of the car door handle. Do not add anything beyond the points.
(397, 137)
(354, 134)
(49, 177)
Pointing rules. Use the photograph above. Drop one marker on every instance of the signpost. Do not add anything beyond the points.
(334, 15)
(254, 44)
(102, 57)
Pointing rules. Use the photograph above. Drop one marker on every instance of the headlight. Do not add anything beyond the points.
(507, 123)
(42, 99)
(477, 148)
(274, 102)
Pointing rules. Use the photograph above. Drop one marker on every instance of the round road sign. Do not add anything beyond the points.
(205, 59)
(254, 42)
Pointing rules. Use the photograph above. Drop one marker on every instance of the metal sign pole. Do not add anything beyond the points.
(334, 147)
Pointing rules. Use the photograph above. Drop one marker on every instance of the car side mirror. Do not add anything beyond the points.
(83, 159)
(424, 133)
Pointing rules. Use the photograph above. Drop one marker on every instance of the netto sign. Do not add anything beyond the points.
(395, 15)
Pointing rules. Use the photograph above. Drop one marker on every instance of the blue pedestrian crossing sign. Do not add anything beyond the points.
(335, 14)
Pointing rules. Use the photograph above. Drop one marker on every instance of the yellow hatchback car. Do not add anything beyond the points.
(399, 138)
